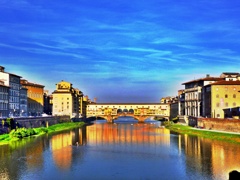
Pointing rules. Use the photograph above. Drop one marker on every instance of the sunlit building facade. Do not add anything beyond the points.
(66, 100)
(193, 94)
(35, 97)
(209, 96)
(219, 96)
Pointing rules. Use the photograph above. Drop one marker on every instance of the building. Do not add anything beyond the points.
(193, 94)
(80, 102)
(167, 99)
(13, 81)
(66, 100)
(181, 102)
(23, 101)
(221, 97)
(4, 100)
(85, 101)
(35, 97)
(211, 96)
(47, 99)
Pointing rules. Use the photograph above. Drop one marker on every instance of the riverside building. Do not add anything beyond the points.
(35, 97)
(23, 101)
(220, 96)
(67, 100)
(210, 96)
(4, 100)
(13, 82)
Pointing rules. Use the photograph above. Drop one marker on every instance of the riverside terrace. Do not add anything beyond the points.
(139, 111)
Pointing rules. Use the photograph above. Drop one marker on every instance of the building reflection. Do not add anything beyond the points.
(225, 159)
(205, 155)
(62, 150)
(61, 144)
(34, 156)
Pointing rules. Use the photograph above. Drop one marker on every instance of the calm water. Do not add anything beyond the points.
(123, 150)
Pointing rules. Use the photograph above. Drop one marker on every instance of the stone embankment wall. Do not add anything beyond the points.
(41, 121)
(32, 122)
(228, 125)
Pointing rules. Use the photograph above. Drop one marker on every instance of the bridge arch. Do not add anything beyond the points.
(119, 111)
(131, 111)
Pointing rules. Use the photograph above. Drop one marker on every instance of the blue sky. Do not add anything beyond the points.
(121, 50)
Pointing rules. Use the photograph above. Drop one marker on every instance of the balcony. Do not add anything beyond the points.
(194, 89)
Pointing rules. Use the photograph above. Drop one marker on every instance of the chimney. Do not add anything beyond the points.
(2, 69)
(208, 75)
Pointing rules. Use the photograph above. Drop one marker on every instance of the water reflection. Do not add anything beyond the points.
(118, 151)
(210, 156)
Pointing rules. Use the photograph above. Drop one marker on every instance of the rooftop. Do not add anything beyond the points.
(204, 79)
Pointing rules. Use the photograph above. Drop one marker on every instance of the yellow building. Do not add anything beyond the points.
(35, 97)
(66, 100)
(219, 96)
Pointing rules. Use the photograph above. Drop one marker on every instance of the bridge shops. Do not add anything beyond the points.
(139, 111)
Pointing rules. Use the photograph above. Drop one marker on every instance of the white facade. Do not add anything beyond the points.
(13, 81)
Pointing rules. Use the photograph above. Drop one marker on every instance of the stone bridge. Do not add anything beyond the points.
(139, 111)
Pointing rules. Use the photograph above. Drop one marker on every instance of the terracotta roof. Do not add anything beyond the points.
(205, 79)
(4, 85)
(226, 83)
(26, 83)
(230, 73)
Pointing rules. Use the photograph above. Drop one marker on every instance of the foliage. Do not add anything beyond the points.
(176, 119)
(41, 130)
(4, 136)
(167, 123)
(184, 129)
(8, 120)
(157, 118)
(22, 132)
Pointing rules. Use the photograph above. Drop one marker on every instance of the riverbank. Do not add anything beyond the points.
(20, 133)
(211, 134)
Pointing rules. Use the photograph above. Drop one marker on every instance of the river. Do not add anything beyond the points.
(122, 150)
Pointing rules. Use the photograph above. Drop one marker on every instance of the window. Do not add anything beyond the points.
(226, 96)
(234, 95)
(226, 104)
(217, 96)
(217, 104)
(234, 104)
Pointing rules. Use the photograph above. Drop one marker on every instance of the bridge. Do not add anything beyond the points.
(139, 111)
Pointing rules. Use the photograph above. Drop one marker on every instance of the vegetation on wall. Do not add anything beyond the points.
(20, 133)
(184, 129)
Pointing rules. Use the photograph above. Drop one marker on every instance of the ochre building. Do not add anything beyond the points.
(35, 97)
(66, 100)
